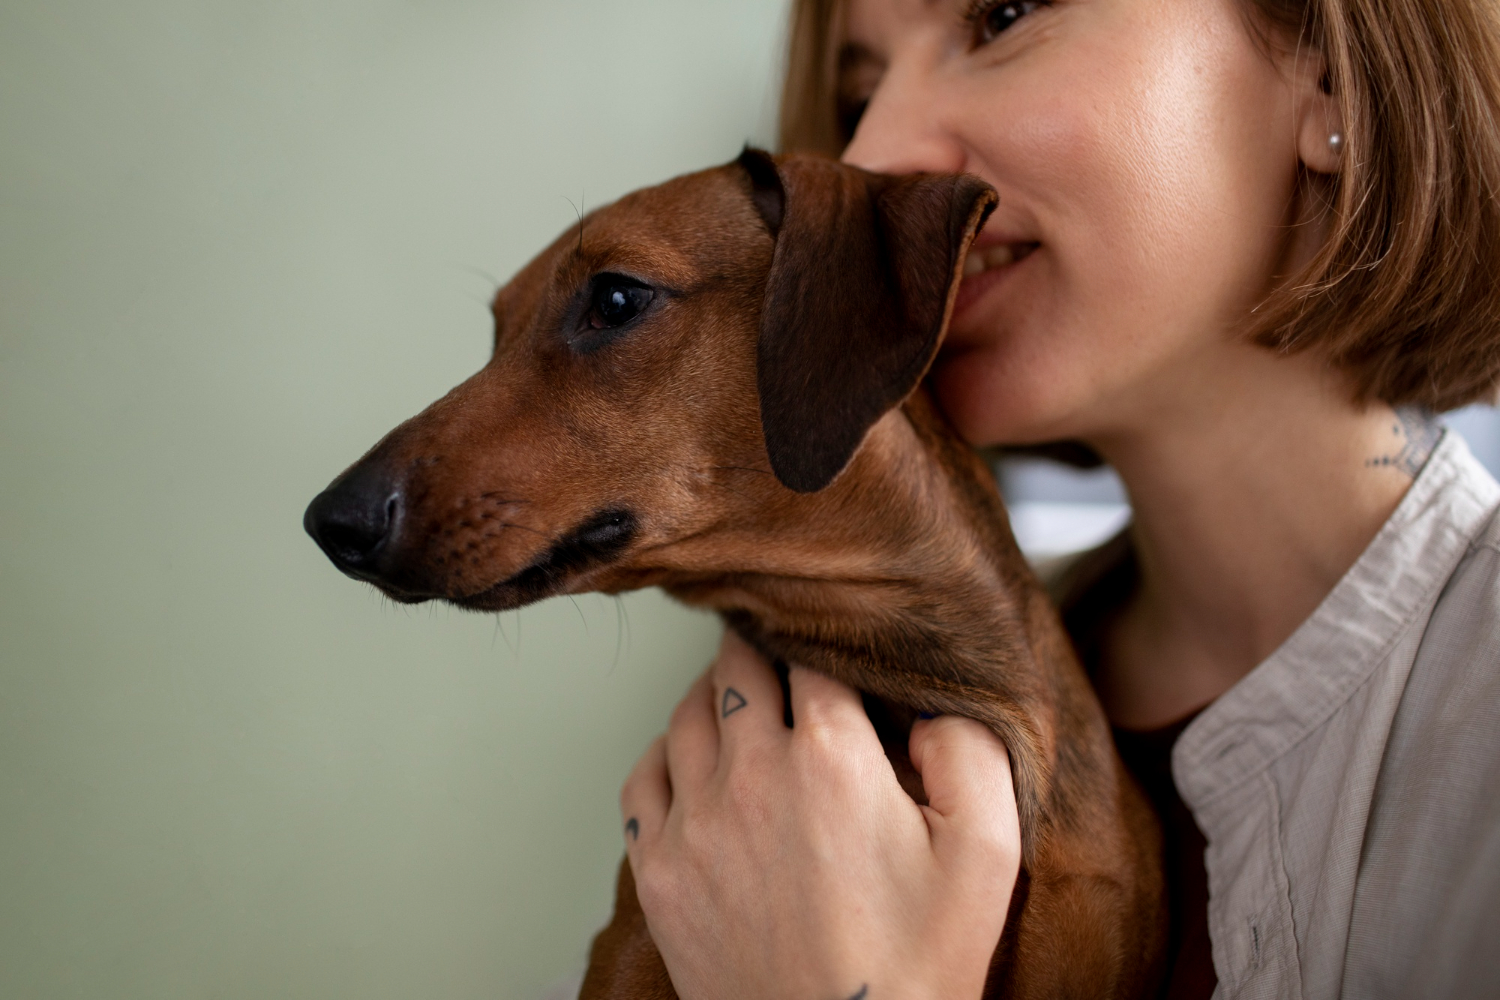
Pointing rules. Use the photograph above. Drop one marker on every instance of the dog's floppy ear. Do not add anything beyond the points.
(861, 284)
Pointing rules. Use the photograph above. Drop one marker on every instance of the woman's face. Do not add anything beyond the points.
(1145, 152)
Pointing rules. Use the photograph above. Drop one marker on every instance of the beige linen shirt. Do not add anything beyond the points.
(1349, 786)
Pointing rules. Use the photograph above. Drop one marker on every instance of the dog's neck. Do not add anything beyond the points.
(907, 552)
(902, 579)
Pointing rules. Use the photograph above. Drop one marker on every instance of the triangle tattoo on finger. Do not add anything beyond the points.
(733, 702)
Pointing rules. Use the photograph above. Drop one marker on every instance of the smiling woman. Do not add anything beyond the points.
(1244, 250)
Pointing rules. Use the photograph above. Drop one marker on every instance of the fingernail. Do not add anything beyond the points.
(927, 715)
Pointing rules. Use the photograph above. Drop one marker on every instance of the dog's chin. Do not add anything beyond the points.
(599, 541)
(500, 597)
(402, 597)
(525, 587)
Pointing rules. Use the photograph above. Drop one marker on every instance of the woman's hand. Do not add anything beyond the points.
(775, 862)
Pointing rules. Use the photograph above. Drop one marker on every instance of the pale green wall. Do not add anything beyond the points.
(239, 239)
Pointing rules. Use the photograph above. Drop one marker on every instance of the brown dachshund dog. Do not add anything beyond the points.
(713, 387)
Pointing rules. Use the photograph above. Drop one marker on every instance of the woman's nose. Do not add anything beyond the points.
(901, 130)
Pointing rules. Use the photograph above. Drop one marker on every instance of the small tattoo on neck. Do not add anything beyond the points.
(1414, 433)
(864, 991)
(733, 702)
(633, 827)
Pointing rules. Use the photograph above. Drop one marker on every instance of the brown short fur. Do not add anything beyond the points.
(755, 441)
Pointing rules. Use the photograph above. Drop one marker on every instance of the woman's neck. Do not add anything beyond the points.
(1256, 484)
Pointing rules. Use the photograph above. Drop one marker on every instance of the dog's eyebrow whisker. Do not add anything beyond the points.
(578, 211)
(487, 276)
(480, 272)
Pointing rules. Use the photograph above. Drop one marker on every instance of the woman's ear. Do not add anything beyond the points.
(857, 300)
(1320, 119)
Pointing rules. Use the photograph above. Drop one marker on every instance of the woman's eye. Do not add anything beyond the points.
(617, 301)
(849, 114)
(991, 18)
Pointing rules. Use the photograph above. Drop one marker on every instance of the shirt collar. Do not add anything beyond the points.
(1394, 583)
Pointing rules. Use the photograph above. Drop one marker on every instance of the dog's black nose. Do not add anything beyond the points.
(354, 518)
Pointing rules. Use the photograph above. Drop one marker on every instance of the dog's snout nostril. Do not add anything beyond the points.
(353, 520)
(352, 543)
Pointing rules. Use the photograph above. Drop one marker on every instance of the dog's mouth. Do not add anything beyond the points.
(600, 540)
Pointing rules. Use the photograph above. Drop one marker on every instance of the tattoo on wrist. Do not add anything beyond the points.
(633, 828)
(1414, 434)
(733, 702)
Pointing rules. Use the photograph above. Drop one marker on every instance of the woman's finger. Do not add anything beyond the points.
(646, 797)
(748, 703)
(821, 705)
(692, 750)
(971, 794)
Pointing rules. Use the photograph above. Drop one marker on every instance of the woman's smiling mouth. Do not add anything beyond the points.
(983, 259)
(986, 266)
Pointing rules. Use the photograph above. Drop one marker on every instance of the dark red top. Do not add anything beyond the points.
(1089, 593)
(1190, 962)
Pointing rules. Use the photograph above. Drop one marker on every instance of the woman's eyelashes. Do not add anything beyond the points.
(989, 18)
(860, 72)
(850, 110)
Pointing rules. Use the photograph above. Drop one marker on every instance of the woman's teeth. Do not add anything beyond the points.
(980, 261)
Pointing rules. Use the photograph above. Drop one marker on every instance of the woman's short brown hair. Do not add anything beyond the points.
(1405, 294)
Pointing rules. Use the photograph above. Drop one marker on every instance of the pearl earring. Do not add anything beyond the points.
(1336, 142)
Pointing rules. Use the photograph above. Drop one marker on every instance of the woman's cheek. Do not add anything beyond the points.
(1117, 157)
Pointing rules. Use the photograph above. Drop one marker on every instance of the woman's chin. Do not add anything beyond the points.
(969, 384)
(990, 402)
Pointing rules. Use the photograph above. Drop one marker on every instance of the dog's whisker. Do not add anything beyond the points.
(500, 631)
(619, 635)
(580, 612)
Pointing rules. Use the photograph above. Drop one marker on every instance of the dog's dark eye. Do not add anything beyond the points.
(617, 300)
